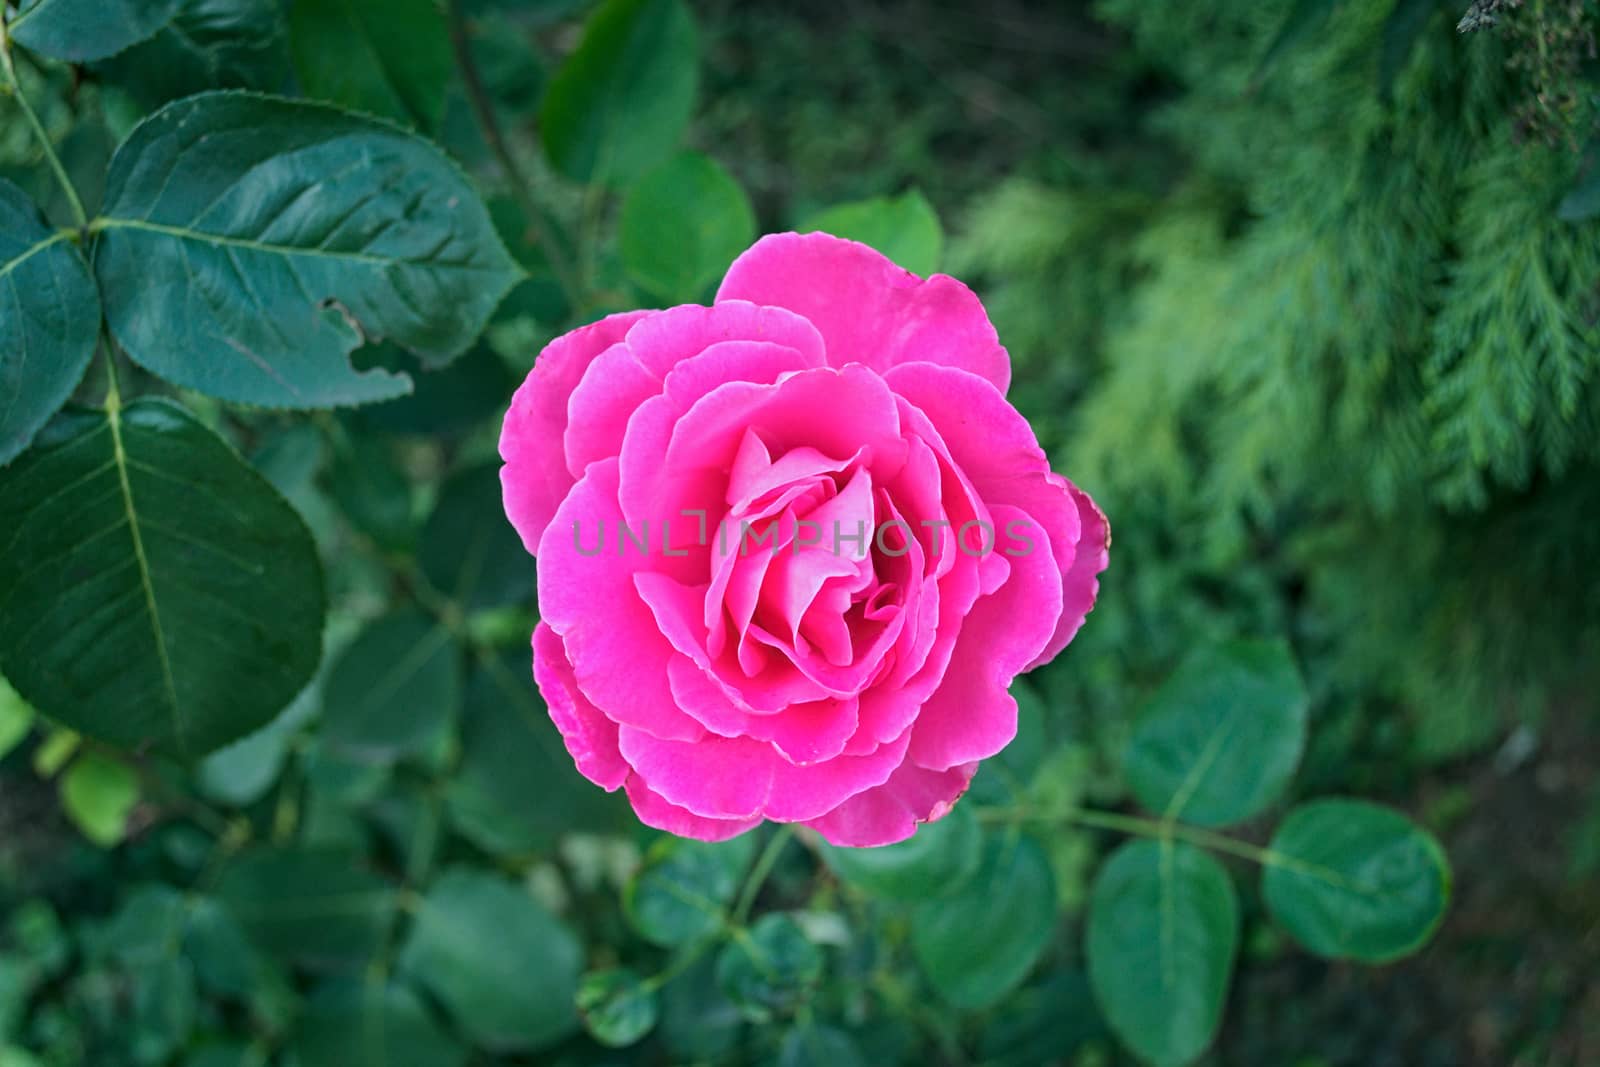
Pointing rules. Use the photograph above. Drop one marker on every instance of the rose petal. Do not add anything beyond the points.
(617, 652)
(655, 811)
(892, 811)
(867, 309)
(590, 737)
(971, 716)
(535, 477)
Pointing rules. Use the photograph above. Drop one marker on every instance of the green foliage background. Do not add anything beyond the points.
(1306, 293)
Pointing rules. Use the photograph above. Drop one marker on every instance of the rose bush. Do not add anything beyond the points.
(793, 547)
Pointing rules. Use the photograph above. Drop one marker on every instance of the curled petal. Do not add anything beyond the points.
(892, 811)
(590, 737)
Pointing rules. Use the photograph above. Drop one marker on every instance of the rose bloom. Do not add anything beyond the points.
(793, 547)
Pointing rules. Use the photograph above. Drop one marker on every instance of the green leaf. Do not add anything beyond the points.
(811, 1045)
(1401, 32)
(347, 1023)
(386, 57)
(224, 959)
(516, 787)
(16, 719)
(81, 30)
(504, 966)
(682, 224)
(905, 228)
(372, 490)
(242, 773)
(1220, 740)
(251, 243)
(681, 891)
(939, 859)
(312, 907)
(621, 102)
(207, 44)
(1353, 880)
(54, 751)
(394, 689)
(1583, 203)
(975, 952)
(769, 969)
(447, 400)
(1161, 934)
(1302, 21)
(469, 552)
(617, 1006)
(98, 794)
(49, 320)
(154, 589)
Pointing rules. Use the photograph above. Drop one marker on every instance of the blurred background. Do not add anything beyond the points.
(1306, 294)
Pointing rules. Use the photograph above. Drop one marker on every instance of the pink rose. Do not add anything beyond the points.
(793, 547)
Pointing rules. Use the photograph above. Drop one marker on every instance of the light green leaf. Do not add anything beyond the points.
(1221, 739)
(1162, 931)
(1353, 880)
(683, 888)
(469, 552)
(154, 589)
(975, 952)
(98, 794)
(386, 57)
(16, 718)
(769, 969)
(939, 859)
(394, 689)
(241, 773)
(905, 228)
(346, 1023)
(312, 907)
(250, 243)
(682, 225)
(504, 966)
(617, 1007)
(81, 30)
(622, 101)
(49, 320)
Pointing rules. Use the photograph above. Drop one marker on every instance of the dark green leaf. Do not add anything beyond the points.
(811, 1045)
(1161, 934)
(680, 892)
(224, 959)
(682, 224)
(622, 101)
(504, 966)
(385, 57)
(251, 242)
(445, 401)
(975, 952)
(469, 552)
(768, 969)
(516, 787)
(372, 490)
(394, 689)
(351, 1023)
(1042, 1023)
(1583, 203)
(1401, 33)
(1303, 20)
(617, 1006)
(98, 793)
(937, 860)
(1353, 880)
(49, 320)
(904, 228)
(1222, 737)
(312, 907)
(207, 44)
(698, 1023)
(154, 590)
(81, 30)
